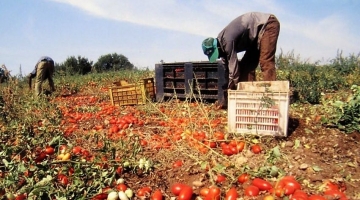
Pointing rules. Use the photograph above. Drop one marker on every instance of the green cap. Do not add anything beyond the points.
(210, 49)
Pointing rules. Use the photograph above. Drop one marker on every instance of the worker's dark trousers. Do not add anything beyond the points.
(265, 54)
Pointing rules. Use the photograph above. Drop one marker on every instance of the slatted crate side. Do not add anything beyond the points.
(180, 79)
(133, 94)
(259, 111)
(148, 88)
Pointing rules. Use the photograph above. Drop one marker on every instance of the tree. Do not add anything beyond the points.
(73, 66)
(113, 62)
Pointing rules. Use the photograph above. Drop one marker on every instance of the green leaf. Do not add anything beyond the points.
(316, 168)
(276, 152)
(219, 168)
(6, 163)
(274, 171)
(297, 144)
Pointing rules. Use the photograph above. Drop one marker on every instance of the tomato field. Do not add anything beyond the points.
(75, 145)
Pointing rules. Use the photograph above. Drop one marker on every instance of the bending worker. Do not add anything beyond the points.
(44, 69)
(255, 33)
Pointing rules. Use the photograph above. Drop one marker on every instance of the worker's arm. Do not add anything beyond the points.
(32, 75)
(29, 81)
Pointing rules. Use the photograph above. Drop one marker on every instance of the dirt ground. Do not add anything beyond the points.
(311, 152)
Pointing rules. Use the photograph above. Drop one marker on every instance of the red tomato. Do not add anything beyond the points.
(299, 194)
(240, 146)
(62, 148)
(269, 197)
(261, 184)
(212, 144)
(40, 157)
(142, 192)
(296, 197)
(101, 196)
(49, 150)
(291, 184)
(214, 193)
(243, 178)
(220, 178)
(63, 179)
(71, 171)
(176, 188)
(204, 192)
(121, 187)
(289, 189)
(256, 148)
(252, 191)
(231, 194)
(335, 193)
(157, 195)
(278, 191)
(118, 170)
(76, 150)
(316, 197)
(219, 135)
(330, 186)
(226, 150)
(186, 193)
(21, 197)
(233, 149)
(177, 164)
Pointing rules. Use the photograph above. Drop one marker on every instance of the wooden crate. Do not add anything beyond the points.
(132, 94)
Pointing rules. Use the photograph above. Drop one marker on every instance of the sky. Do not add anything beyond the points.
(147, 32)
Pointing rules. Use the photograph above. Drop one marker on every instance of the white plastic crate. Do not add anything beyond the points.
(260, 108)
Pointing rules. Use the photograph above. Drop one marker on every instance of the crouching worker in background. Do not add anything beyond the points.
(44, 69)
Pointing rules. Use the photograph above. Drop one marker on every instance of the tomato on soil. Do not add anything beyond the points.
(214, 193)
(269, 197)
(204, 192)
(231, 194)
(252, 191)
(49, 150)
(177, 164)
(316, 197)
(176, 188)
(220, 178)
(256, 148)
(76, 150)
(243, 178)
(121, 187)
(157, 195)
(144, 191)
(262, 184)
(186, 193)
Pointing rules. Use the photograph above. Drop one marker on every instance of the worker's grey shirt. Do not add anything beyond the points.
(238, 35)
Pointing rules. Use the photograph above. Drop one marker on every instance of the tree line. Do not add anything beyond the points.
(80, 65)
